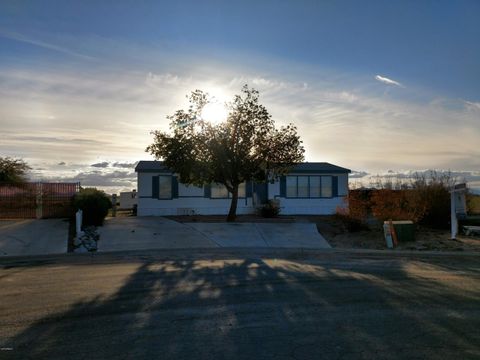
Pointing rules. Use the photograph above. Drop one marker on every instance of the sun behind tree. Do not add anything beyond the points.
(245, 147)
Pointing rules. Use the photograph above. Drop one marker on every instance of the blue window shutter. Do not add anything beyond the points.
(283, 186)
(248, 189)
(155, 187)
(207, 190)
(174, 187)
(334, 186)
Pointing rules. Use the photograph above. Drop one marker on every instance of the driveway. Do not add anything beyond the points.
(138, 233)
(33, 237)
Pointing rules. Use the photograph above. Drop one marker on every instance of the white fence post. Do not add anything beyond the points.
(78, 221)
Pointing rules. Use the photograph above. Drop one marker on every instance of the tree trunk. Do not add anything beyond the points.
(232, 214)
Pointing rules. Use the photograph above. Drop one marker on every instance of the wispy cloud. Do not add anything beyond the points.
(387, 81)
(472, 105)
(28, 40)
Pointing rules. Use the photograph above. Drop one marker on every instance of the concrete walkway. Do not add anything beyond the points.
(33, 237)
(278, 235)
(137, 233)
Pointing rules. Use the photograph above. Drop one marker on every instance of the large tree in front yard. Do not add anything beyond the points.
(245, 147)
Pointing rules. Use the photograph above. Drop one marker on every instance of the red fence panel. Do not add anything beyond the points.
(37, 200)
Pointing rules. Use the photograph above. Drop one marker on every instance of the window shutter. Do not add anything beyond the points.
(207, 191)
(283, 186)
(334, 186)
(248, 189)
(174, 187)
(155, 187)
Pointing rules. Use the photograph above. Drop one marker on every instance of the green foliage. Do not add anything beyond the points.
(269, 210)
(94, 204)
(246, 147)
(13, 171)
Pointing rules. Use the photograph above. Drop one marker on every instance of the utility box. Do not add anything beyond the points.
(405, 230)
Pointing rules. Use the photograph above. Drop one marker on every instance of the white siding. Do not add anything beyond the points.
(200, 206)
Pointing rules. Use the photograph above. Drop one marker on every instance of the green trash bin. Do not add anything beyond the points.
(405, 230)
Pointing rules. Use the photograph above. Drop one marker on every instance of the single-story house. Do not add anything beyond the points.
(310, 188)
(127, 200)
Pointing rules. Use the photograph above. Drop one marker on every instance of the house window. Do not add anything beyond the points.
(219, 191)
(314, 186)
(326, 186)
(165, 187)
(303, 186)
(190, 190)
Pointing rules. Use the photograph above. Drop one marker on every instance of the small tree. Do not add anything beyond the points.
(246, 147)
(13, 171)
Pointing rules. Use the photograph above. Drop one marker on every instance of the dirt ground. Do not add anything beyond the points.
(425, 238)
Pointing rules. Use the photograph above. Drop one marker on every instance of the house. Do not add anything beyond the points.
(310, 188)
(127, 200)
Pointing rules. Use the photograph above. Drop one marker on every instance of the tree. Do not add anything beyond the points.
(13, 171)
(246, 147)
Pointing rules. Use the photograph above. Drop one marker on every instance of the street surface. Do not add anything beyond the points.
(226, 304)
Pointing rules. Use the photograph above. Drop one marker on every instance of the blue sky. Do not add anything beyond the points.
(373, 85)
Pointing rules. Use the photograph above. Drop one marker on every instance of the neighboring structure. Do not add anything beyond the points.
(310, 188)
(127, 200)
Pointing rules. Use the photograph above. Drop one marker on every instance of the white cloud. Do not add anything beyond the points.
(471, 105)
(387, 81)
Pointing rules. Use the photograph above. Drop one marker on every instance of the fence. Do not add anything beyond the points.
(37, 200)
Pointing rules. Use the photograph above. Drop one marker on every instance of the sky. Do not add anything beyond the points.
(379, 87)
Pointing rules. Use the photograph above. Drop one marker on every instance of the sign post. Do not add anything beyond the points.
(457, 206)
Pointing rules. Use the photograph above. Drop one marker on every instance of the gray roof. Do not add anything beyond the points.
(306, 167)
(150, 165)
(320, 167)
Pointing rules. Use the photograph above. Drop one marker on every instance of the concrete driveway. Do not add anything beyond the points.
(138, 233)
(33, 237)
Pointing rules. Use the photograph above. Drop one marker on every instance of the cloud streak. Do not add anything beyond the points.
(387, 81)
(45, 45)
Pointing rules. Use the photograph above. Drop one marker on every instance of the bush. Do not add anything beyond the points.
(94, 204)
(270, 209)
(390, 204)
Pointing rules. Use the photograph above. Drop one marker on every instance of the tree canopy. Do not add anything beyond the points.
(245, 147)
(13, 171)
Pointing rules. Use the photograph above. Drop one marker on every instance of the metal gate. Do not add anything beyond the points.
(37, 200)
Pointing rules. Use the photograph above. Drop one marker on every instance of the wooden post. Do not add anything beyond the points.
(114, 205)
(39, 196)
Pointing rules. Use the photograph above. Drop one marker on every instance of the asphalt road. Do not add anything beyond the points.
(226, 305)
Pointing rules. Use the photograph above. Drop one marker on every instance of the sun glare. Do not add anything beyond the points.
(214, 112)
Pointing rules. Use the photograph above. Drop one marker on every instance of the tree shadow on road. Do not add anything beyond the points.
(262, 309)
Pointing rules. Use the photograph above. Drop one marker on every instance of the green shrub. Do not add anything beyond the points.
(270, 209)
(94, 204)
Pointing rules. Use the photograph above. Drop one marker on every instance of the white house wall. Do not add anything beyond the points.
(319, 206)
(148, 206)
(188, 205)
